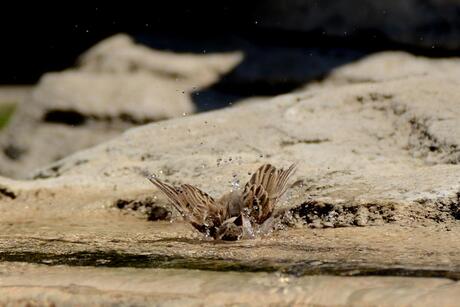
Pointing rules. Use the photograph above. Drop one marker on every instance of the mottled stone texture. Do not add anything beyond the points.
(376, 192)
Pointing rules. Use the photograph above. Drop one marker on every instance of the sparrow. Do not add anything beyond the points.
(237, 215)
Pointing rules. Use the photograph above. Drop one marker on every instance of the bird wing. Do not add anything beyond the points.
(170, 191)
(197, 207)
(264, 189)
(202, 207)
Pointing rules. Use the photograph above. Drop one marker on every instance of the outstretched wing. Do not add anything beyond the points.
(264, 189)
(197, 207)
(203, 209)
(170, 191)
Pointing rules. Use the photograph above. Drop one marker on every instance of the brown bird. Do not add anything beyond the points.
(236, 215)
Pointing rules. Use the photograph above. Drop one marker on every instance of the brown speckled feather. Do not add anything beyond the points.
(197, 207)
(234, 215)
(264, 189)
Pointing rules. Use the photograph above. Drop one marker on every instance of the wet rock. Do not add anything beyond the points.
(316, 224)
(357, 166)
(328, 224)
(361, 217)
(117, 85)
(27, 284)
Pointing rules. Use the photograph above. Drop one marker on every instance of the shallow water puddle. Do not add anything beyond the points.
(315, 267)
(127, 242)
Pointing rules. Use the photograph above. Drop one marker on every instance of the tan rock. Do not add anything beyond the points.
(119, 54)
(119, 85)
(359, 144)
(380, 155)
(12, 95)
(44, 285)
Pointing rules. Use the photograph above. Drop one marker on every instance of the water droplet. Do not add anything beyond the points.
(235, 183)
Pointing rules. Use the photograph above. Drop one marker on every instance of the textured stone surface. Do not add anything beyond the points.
(43, 285)
(376, 191)
(379, 144)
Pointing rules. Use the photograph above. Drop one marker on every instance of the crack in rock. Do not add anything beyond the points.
(76, 118)
(285, 143)
(424, 144)
(4, 191)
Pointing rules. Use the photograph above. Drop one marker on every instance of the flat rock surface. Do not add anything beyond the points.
(44, 285)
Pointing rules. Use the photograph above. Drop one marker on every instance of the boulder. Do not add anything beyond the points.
(118, 85)
(376, 190)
